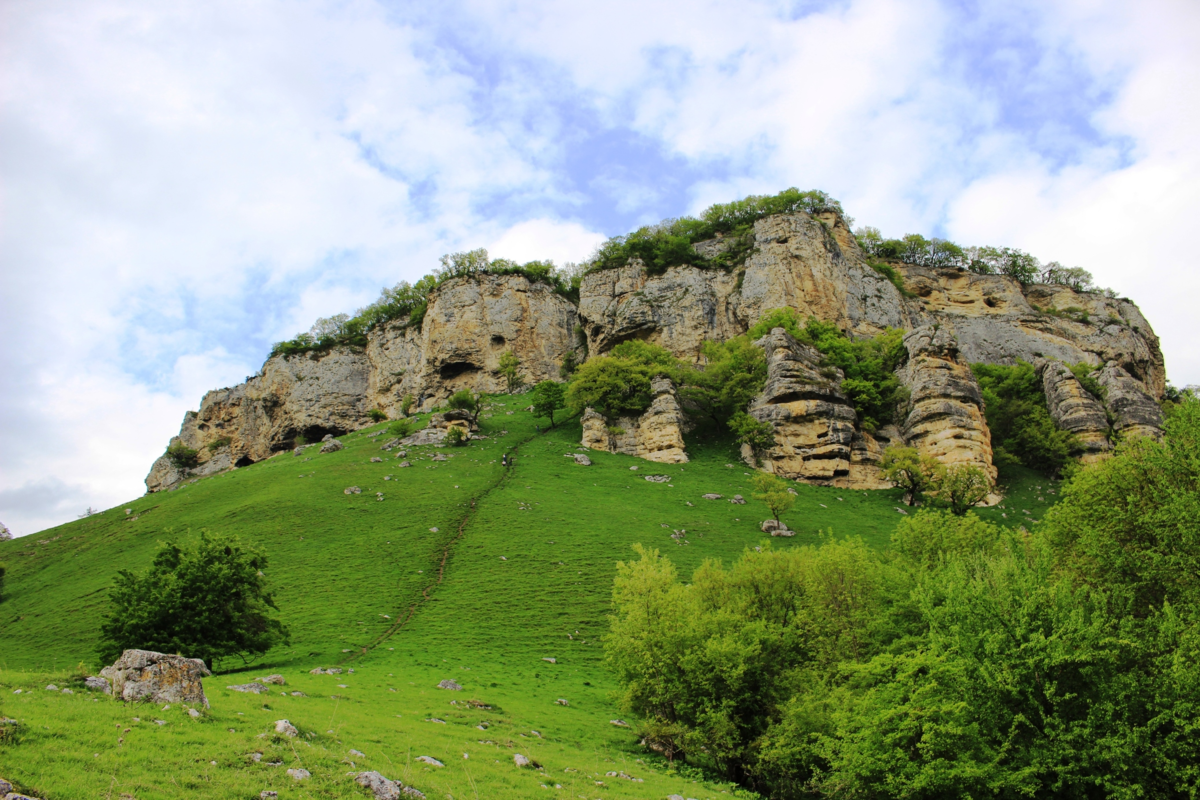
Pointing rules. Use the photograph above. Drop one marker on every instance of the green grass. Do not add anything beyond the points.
(526, 558)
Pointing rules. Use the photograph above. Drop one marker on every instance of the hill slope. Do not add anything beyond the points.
(464, 570)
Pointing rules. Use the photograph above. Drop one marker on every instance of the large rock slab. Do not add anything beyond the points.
(157, 678)
(944, 417)
(657, 435)
(1074, 409)
(1134, 412)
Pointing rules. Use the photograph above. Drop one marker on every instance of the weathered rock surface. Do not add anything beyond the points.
(657, 435)
(249, 688)
(1074, 409)
(814, 422)
(157, 678)
(381, 788)
(1133, 410)
(944, 418)
(98, 684)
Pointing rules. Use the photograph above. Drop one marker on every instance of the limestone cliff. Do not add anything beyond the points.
(1074, 409)
(657, 435)
(1133, 410)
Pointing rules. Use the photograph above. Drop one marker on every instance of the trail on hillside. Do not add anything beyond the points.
(400, 623)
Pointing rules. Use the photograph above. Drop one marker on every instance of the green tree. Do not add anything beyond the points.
(509, 369)
(207, 600)
(466, 400)
(961, 486)
(618, 384)
(755, 433)
(182, 457)
(548, 397)
(570, 363)
(910, 471)
(774, 492)
(406, 404)
(457, 436)
(733, 374)
(400, 427)
(1018, 419)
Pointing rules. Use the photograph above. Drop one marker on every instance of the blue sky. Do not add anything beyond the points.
(186, 183)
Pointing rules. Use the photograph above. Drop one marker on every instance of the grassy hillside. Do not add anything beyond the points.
(464, 570)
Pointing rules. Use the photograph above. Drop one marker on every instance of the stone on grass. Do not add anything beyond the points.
(5, 787)
(551, 660)
(711, 496)
(352, 490)
(738, 500)
(433, 762)
(193, 713)
(98, 683)
(561, 702)
(409, 791)
(327, 437)
(620, 723)
(157, 677)
(278, 680)
(633, 469)
(286, 728)
(268, 795)
(358, 753)
(51, 688)
(376, 460)
(521, 761)
(249, 688)
(332, 446)
(449, 684)
(299, 774)
(658, 478)
(405, 464)
(582, 460)
(381, 788)
(18, 796)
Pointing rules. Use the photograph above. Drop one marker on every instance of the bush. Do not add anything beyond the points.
(961, 486)
(401, 428)
(548, 397)
(510, 367)
(182, 457)
(619, 384)
(758, 435)
(911, 471)
(217, 444)
(465, 400)
(1017, 417)
(377, 415)
(208, 600)
(406, 404)
(457, 436)
(570, 363)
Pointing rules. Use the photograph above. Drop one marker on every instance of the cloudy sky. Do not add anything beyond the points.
(184, 183)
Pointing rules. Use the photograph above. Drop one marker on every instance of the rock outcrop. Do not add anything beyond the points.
(657, 435)
(1074, 409)
(814, 422)
(157, 678)
(944, 417)
(1134, 412)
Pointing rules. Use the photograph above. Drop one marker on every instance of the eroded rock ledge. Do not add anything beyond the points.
(657, 435)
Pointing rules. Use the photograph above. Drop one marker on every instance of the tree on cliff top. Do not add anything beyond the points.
(208, 600)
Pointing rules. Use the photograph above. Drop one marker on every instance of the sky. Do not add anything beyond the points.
(183, 184)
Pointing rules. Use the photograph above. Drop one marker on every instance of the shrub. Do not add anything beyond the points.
(217, 444)
(182, 457)
(619, 384)
(509, 369)
(1086, 374)
(406, 404)
(208, 600)
(734, 373)
(570, 363)
(758, 435)
(1017, 417)
(910, 471)
(961, 486)
(401, 428)
(457, 436)
(465, 400)
(774, 492)
(377, 415)
(547, 398)
(299, 440)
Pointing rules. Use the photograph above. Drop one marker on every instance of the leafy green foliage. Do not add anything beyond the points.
(208, 600)
(406, 404)
(909, 470)
(669, 243)
(570, 363)
(869, 365)
(466, 400)
(548, 397)
(457, 436)
(619, 384)
(773, 491)
(750, 431)
(510, 370)
(961, 486)
(1086, 374)
(734, 373)
(218, 443)
(400, 427)
(2, 571)
(1017, 417)
(377, 415)
(182, 457)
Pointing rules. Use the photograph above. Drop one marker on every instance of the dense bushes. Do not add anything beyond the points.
(182, 457)
(970, 661)
(1022, 429)
(669, 243)
(618, 384)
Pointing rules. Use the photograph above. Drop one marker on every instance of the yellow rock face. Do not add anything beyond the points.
(657, 435)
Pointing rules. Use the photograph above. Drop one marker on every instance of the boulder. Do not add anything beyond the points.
(711, 496)
(381, 788)
(327, 437)
(5, 787)
(944, 416)
(299, 774)
(98, 684)
(157, 678)
(772, 526)
(738, 500)
(332, 446)
(433, 762)
(449, 684)
(249, 688)
(430, 435)
(275, 680)
(521, 761)
(286, 728)
(1074, 409)
(352, 490)
(582, 460)
(1134, 412)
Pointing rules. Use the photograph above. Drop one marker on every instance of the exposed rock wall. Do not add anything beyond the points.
(657, 435)
(1074, 409)
(1133, 410)
(944, 418)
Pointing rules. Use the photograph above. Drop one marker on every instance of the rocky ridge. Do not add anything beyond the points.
(810, 263)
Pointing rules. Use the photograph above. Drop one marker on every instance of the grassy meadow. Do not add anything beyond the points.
(464, 570)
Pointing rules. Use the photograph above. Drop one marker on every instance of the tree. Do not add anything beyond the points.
(615, 387)
(733, 375)
(406, 404)
(457, 436)
(465, 400)
(509, 370)
(910, 471)
(207, 600)
(548, 397)
(774, 492)
(400, 427)
(755, 433)
(182, 457)
(961, 486)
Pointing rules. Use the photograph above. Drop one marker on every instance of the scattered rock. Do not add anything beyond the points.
(405, 464)
(561, 702)
(711, 496)
(521, 761)
(286, 728)
(658, 478)
(449, 684)
(67, 691)
(193, 713)
(327, 437)
(299, 774)
(376, 460)
(51, 688)
(551, 660)
(249, 688)
(99, 684)
(357, 753)
(352, 490)
(5, 787)
(299, 694)
(633, 469)
(330, 671)
(620, 723)
(433, 762)
(277, 680)
(268, 795)
(738, 500)
(158, 678)
(332, 446)
(381, 788)
(582, 460)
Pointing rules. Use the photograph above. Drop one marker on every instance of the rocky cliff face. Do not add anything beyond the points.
(657, 435)
(1133, 410)
(1075, 410)
(945, 412)
(810, 263)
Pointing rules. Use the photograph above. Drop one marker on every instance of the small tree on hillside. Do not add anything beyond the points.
(755, 433)
(774, 492)
(509, 369)
(208, 600)
(910, 471)
(548, 397)
(465, 400)
(961, 486)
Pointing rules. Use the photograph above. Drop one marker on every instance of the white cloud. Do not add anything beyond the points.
(546, 239)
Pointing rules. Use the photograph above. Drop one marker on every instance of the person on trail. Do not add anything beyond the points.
(504, 460)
